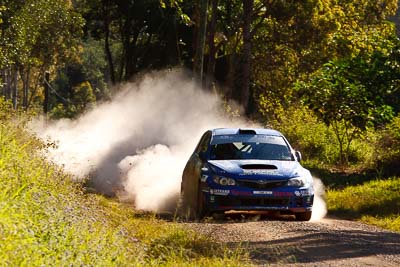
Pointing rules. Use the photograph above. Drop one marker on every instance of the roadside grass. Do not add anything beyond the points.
(336, 179)
(46, 219)
(375, 202)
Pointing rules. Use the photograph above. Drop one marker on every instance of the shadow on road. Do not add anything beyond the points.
(316, 246)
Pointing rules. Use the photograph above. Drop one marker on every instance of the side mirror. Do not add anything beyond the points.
(298, 155)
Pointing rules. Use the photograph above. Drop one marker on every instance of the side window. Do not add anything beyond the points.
(203, 144)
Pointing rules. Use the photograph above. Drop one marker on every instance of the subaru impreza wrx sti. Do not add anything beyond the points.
(246, 170)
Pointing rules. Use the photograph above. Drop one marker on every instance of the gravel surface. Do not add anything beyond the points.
(327, 242)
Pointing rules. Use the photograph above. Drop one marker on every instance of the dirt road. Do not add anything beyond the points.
(328, 242)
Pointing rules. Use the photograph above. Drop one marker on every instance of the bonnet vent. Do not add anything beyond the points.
(259, 167)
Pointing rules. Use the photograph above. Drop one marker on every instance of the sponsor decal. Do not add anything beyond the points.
(220, 192)
(305, 192)
(266, 172)
(241, 193)
(212, 199)
(204, 178)
(262, 192)
(283, 194)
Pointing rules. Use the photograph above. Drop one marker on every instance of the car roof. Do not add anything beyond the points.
(235, 131)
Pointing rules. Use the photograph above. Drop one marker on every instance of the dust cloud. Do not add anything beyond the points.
(319, 209)
(137, 144)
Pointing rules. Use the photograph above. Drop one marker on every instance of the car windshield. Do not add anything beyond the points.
(265, 148)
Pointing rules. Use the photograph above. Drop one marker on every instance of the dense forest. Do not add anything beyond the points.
(325, 72)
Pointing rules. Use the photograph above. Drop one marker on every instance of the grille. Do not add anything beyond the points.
(226, 201)
(254, 184)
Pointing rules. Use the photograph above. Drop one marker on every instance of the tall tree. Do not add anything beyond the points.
(351, 94)
(212, 49)
(138, 35)
(35, 36)
(247, 41)
(107, 21)
(200, 40)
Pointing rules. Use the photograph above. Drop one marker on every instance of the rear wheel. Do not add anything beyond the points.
(303, 216)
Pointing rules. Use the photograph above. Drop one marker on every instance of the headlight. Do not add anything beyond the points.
(298, 182)
(224, 180)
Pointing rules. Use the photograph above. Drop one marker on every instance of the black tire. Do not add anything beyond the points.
(188, 203)
(219, 215)
(201, 210)
(303, 216)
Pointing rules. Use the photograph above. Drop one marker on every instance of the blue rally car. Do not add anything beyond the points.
(246, 170)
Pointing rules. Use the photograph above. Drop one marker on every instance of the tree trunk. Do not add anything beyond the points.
(25, 77)
(246, 68)
(131, 58)
(211, 46)
(107, 40)
(230, 58)
(201, 38)
(3, 78)
(15, 88)
(178, 50)
(7, 83)
(46, 92)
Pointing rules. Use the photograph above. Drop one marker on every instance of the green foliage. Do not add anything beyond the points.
(387, 149)
(39, 32)
(376, 202)
(81, 99)
(355, 93)
(297, 38)
(6, 111)
(307, 133)
(94, 67)
(177, 5)
(318, 141)
(83, 96)
(35, 36)
(361, 90)
(144, 31)
(2, 8)
(80, 83)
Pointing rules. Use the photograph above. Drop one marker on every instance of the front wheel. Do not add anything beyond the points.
(303, 216)
(201, 211)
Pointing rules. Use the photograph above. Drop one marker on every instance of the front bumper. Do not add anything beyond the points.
(282, 199)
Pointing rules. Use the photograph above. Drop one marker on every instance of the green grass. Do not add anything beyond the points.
(375, 202)
(336, 179)
(46, 219)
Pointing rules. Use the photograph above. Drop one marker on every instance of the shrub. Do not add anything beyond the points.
(387, 149)
(308, 134)
(318, 142)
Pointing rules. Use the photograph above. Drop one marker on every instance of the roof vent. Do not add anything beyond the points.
(246, 131)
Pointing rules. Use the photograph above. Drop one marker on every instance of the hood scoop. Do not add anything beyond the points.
(259, 167)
